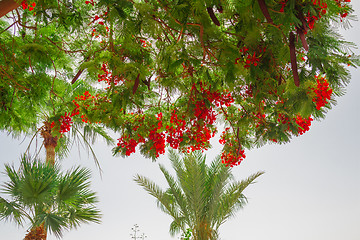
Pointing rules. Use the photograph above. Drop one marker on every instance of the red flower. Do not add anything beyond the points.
(323, 92)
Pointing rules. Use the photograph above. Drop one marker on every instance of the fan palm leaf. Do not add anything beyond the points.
(47, 198)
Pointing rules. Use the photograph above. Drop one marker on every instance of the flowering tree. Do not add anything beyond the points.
(165, 73)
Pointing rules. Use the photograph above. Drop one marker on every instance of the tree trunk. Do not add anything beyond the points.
(7, 6)
(50, 143)
(36, 233)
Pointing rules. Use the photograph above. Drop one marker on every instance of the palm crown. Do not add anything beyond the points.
(51, 200)
(200, 197)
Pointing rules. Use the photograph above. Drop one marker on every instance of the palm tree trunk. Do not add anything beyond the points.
(37, 233)
(7, 6)
(50, 142)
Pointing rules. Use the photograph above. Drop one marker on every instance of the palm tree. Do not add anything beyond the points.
(51, 201)
(200, 198)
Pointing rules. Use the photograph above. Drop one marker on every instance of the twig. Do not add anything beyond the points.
(66, 51)
(7, 28)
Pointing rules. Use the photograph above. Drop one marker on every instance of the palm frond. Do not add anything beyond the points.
(164, 199)
(11, 211)
(12, 187)
(76, 216)
(177, 227)
(92, 131)
(73, 182)
(233, 199)
(53, 222)
(175, 190)
(89, 148)
(38, 181)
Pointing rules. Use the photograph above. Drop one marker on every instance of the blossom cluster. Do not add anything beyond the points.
(344, 8)
(196, 129)
(321, 9)
(25, 5)
(323, 92)
(233, 154)
(99, 20)
(108, 77)
(65, 123)
(250, 58)
(233, 158)
(302, 123)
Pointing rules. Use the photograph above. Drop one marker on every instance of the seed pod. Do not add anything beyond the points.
(302, 30)
(293, 58)
(136, 84)
(212, 16)
(77, 76)
(301, 34)
(265, 10)
(301, 17)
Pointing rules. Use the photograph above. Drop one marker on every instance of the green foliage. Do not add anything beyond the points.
(156, 51)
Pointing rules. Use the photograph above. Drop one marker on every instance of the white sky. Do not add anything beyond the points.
(310, 189)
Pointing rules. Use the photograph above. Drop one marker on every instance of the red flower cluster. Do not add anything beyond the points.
(250, 59)
(66, 120)
(129, 144)
(107, 76)
(101, 18)
(303, 123)
(344, 8)
(231, 155)
(144, 43)
(204, 115)
(283, 4)
(65, 123)
(90, 2)
(196, 129)
(158, 138)
(283, 119)
(321, 9)
(87, 101)
(259, 118)
(26, 6)
(323, 92)
(231, 159)
(175, 133)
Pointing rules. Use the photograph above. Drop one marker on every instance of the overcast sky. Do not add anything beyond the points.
(310, 189)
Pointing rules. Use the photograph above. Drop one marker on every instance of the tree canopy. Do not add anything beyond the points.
(168, 72)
